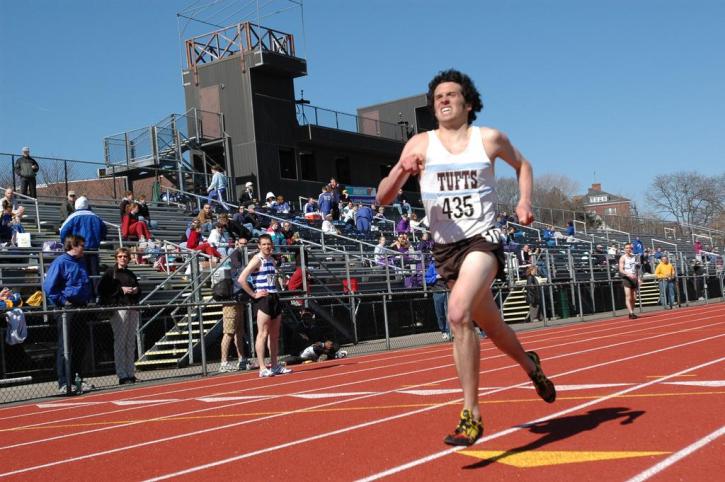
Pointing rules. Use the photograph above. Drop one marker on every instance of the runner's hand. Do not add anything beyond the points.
(412, 164)
(524, 213)
(260, 294)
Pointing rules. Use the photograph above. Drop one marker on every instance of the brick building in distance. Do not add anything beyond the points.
(604, 203)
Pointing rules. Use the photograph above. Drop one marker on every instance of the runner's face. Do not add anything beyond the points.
(448, 102)
(265, 247)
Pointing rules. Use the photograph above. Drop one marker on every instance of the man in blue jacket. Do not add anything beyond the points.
(85, 223)
(66, 286)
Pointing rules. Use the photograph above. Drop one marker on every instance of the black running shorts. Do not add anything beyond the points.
(269, 305)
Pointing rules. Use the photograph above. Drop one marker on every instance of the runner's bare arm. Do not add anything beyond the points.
(251, 267)
(502, 147)
(410, 163)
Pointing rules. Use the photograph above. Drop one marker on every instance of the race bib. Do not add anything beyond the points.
(459, 207)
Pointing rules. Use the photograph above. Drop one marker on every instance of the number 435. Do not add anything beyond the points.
(457, 207)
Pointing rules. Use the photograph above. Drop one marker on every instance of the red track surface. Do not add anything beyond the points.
(379, 415)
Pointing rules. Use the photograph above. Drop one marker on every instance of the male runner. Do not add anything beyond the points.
(628, 272)
(269, 311)
(457, 182)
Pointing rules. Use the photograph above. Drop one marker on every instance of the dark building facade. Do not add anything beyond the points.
(281, 144)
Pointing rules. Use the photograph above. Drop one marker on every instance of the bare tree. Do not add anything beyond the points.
(507, 191)
(688, 197)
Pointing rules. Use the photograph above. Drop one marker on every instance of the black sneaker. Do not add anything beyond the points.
(632, 316)
(544, 387)
(467, 431)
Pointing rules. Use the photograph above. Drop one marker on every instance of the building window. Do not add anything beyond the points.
(308, 168)
(342, 170)
(610, 211)
(287, 164)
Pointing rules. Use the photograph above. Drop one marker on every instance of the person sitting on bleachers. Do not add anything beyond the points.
(206, 218)
(287, 232)
(143, 212)
(247, 195)
(403, 225)
(310, 209)
(281, 206)
(348, 215)
(270, 202)
(218, 238)
(125, 201)
(425, 245)
(327, 226)
(6, 220)
(67, 207)
(132, 227)
(235, 229)
(570, 231)
(9, 199)
(197, 243)
(252, 222)
(17, 222)
(380, 214)
(278, 238)
(380, 252)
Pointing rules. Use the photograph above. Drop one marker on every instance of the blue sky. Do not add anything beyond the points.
(612, 92)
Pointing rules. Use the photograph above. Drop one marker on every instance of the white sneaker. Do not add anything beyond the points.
(445, 336)
(341, 354)
(226, 367)
(265, 373)
(63, 390)
(280, 369)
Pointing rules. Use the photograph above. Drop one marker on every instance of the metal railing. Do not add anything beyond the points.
(35, 202)
(319, 116)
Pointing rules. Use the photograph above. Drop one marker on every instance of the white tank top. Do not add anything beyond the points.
(458, 190)
(629, 265)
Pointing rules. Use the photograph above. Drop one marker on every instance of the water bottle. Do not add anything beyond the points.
(78, 382)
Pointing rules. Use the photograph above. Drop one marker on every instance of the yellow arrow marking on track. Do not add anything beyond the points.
(541, 458)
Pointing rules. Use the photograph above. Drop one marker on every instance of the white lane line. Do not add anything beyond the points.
(142, 402)
(704, 383)
(355, 382)
(232, 399)
(324, 405)
(447, 354)
(329, 395)
(443, 453)
(601, 326)
(677, 456)
(434, 407)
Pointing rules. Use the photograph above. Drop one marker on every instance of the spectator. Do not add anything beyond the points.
(17, 222)
(658, 255)
(85, 223)
(344, 197)
(500, 221)
(380, 253)
(278, 238)
(119, 286)
(401, 244)
(287, 232)
(143, 212)
(414, 222)
(67, 286)
(403, 225)
(665, 274)
(125, 201)
(281, 206)
(310, 209)
(218, 187)
(380, 214)
(252, 222)
(27, 169)
(324, 201)
(247, 195)
(219, 239)
(570, 231)
(440, 299)
(233, 315)
(349, 214)
(525, 256)
(271, 201)
(401, 203)
(645, 262)
(698, 247)
(612, 251)
(131, 227)
(9, 199)
(67, 207)
(314, 352)
(533, 295)
(206, 218)
(425, 245)
(6, 224)
(364, 218)
(197, 243)
(235, 229)
(336, 193)
(327, 226)
(637, 247)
